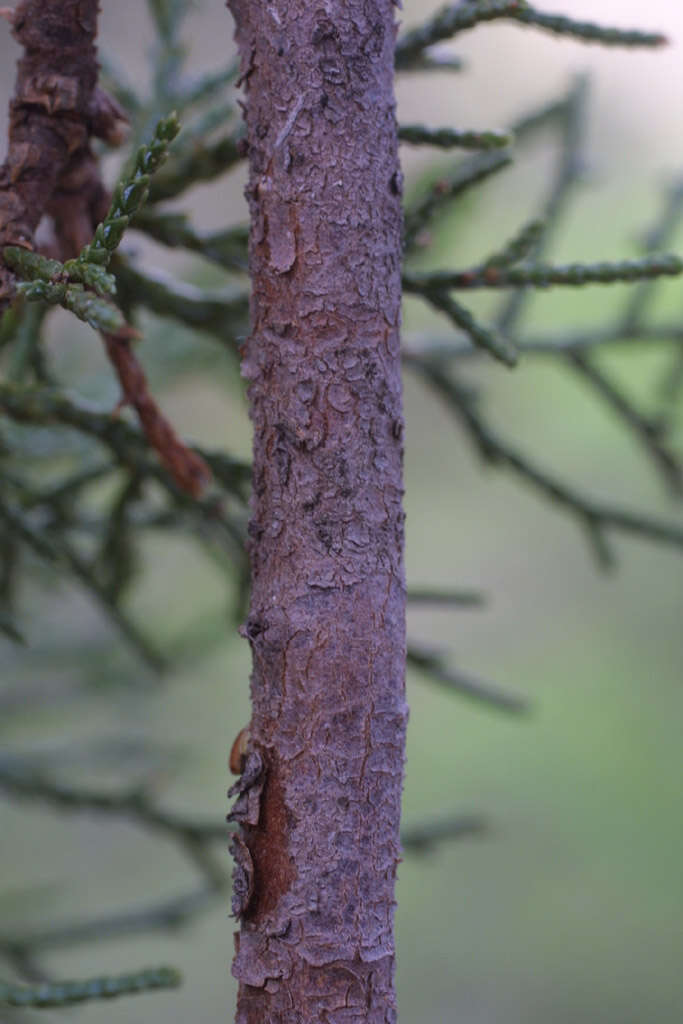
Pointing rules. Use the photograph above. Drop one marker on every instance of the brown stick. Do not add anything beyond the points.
(187, 468)
(55, 110)
(319, 798)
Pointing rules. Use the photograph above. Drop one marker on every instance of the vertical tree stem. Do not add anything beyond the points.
(317, 859)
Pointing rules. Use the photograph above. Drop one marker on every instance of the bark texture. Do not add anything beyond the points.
(55, 110)
(319, 796)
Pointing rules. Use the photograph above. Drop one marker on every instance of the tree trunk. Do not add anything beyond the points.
(319, 796)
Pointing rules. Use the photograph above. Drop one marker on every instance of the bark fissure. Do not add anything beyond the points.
(326, 623)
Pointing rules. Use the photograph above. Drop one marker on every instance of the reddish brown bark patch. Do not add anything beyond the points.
(188, 469)
(270, 848)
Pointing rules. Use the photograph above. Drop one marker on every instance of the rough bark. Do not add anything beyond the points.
(319, 796)
(55, 110)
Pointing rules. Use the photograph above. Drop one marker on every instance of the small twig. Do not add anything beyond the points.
(217, 313)
(431, 664)
(660, 235)
(67, 993)
(499, 347)
(187, 468)
(544, 275)
(436, 58)
(226, 248)
(450, 138)
(423, 838)
(647, 431)
(546, 344)
(569, 114)
(670, 390)
(519, 247)
(134, 804)
(165, 915)
(595, 517)
(9, 629)
(60, 552)
(449, 598)
(47, 405)
(455, 18)
(198, 164)
(467, 174)
(205, 87)
(116, 553)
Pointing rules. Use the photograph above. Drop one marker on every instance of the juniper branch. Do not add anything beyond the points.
(116, 554)
(209, 519)
(60, 553)
(670, 390)
(169, 52)
(118, 83)
(587, 31)
(187, 468)
(165, 915)
(455, 18)
(214, 312)
(70, 487)
(548, 344)
(423, 838)
(537, 119)
(498, 346)
(648, 431)
(544, 275)
(434, 59)
(447, 598)
(519, 247)
(68, 993)
(595, 517)
(205, 87)
(660, 235)
(25, 354)
(136, 804)
(451, 138)
(9, 629)
(467, 174)
(227, 248)
(63, 283)
(25, 965)
(49, 281)
(568, 114)
(44, 405)
(198, 164)
(129, 195)
(167, 16)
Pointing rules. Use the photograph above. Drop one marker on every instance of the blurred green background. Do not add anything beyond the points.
(572, 906)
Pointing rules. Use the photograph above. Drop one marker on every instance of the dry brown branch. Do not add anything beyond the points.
(188, 469)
